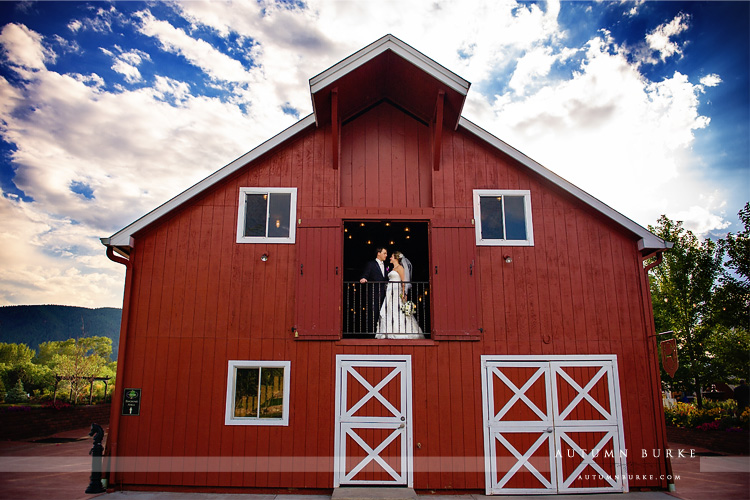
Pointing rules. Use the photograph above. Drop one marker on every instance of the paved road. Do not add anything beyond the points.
(60, 471)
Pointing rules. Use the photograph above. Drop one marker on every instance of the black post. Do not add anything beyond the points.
(95, 484)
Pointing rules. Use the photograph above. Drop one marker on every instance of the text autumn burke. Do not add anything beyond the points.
(679, 453)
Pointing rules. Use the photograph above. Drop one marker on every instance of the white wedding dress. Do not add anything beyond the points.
(393, 323)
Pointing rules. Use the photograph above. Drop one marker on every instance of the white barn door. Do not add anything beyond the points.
(552, 425)
(373, 421)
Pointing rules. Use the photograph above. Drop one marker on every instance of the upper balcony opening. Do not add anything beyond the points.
(371, 310)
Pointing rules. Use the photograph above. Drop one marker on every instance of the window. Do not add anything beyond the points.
(503, 218)
(258, 393)
(266, 215)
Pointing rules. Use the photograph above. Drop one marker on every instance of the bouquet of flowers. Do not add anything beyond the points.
(408, 308)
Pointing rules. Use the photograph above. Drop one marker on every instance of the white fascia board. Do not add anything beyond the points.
(389, 42)
(122, 237)
(648, 240)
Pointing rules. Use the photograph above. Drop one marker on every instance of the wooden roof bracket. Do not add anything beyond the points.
(335, 127)
(438, 131)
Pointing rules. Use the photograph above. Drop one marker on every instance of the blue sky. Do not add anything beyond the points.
(109, 109)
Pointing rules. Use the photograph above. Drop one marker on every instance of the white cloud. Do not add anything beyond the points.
(129, 71)
(40, 267)
(126, 63)
(608, 130)
(660, 39)
(198, 52)
(711, 80)
(23, 47)
(702, 219)
(534, 64)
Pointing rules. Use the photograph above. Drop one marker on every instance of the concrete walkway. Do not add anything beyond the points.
(58, 468)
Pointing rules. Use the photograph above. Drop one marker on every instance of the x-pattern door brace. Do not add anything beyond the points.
(588, 458)
(583, 393)
(523, 460)
(374, 454)
(373, 391)
(519, 393)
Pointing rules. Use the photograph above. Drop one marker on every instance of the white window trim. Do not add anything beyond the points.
(528, 242)
(241, 238)
(230, 419)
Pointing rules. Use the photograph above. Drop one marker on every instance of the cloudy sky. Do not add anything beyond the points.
(109, 109)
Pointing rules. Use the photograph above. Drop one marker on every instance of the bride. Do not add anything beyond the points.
(393, 322)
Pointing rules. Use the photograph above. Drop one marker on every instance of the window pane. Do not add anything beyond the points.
(515, 218)
(272, 393)
(255, 214)
(491, 209)
(278, 215)
(246, 392)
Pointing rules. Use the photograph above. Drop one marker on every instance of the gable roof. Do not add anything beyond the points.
(389, 69)
(360, 66)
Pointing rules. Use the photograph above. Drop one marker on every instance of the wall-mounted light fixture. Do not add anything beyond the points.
(264, 257)
(508, 259)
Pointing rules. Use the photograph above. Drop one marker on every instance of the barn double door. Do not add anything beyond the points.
(552, 425)
(373, 421)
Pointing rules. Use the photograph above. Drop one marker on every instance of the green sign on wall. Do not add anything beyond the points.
(131, 402)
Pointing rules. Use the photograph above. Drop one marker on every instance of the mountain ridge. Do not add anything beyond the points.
(34, 324)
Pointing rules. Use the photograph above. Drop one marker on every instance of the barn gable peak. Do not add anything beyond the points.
(389, 69)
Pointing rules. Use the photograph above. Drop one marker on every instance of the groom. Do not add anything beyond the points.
(375, 274)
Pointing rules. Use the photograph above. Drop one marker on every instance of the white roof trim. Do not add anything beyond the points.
(122, 237)
(389, 42)
(648, 239)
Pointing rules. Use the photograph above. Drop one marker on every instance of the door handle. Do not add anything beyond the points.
(548, 430)
(402, 426)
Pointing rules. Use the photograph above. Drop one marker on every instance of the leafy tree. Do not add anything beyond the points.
(682, 289)
(16, 363)
(730, 348)
(732, 298)
(15, 354)
(730, 342)
(78, 360)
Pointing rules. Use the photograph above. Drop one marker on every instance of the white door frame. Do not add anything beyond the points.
(400, 423)
(611, 424)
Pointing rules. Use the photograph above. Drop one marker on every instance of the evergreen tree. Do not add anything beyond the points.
(17, 394)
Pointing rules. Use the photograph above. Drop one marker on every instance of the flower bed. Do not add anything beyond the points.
(716, 426)
(719, 415)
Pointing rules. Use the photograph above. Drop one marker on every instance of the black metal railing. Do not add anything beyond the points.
(369, 310)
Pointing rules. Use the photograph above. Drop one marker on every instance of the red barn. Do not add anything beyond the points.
(243, 328)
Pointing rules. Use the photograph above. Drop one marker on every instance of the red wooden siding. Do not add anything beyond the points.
(198, 299)
(385, 160)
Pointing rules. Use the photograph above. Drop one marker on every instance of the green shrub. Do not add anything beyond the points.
(17, 394)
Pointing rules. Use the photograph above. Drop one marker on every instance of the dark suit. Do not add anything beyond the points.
(374, 292)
